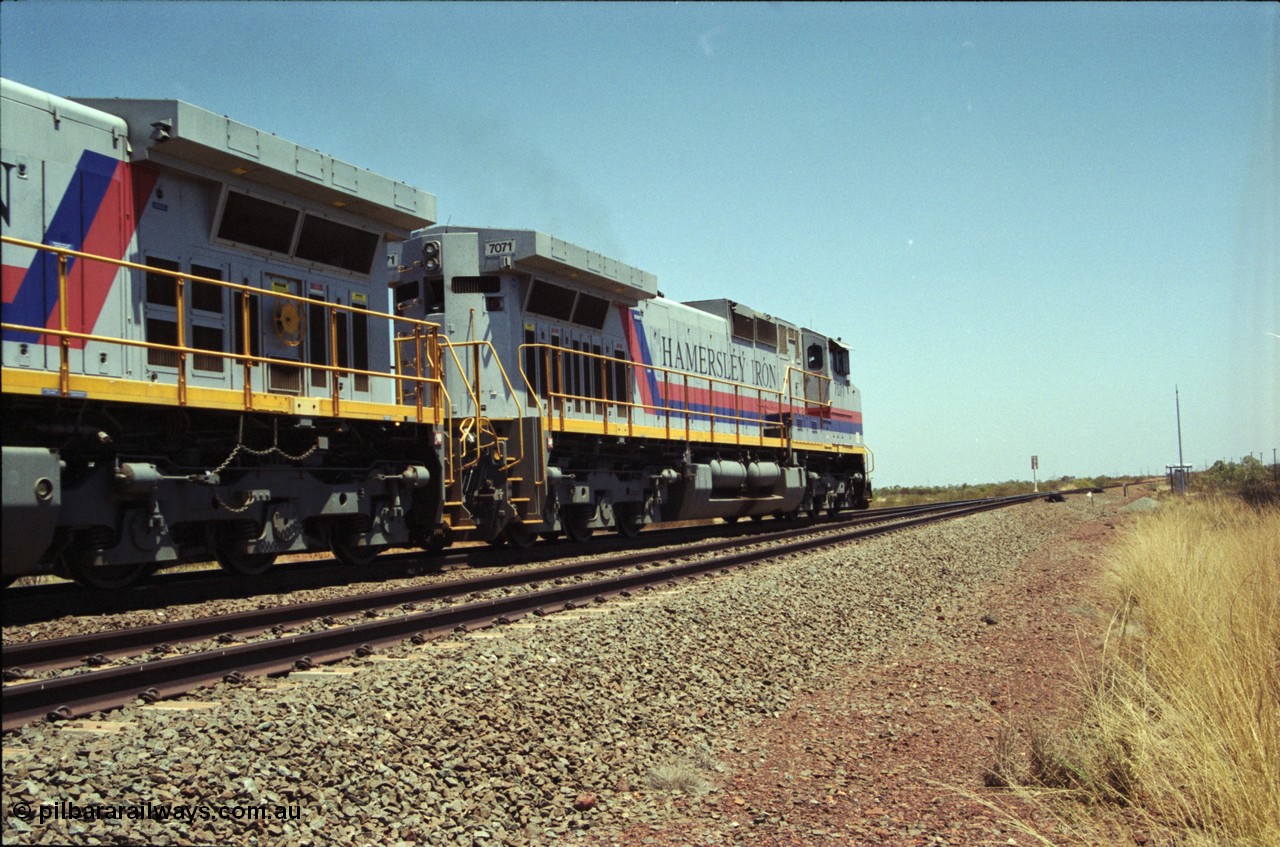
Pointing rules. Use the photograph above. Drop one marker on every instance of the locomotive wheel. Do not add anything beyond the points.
(837, 503)
(344, 536)
(574, 524)
(347, 549)
(730, 519)
(234, 560)
(228, 549)
(80, 562)
(80, 567)
(628, 520)
(519, 536)
(434, 544)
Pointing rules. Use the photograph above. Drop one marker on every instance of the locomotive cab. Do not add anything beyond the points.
(831, 419)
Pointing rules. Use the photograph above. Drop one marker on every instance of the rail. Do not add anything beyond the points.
(244, 357)
(82, 693)
(47, 601)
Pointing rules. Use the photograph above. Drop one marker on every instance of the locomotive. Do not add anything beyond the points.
(195, 354)
(628, 408)
(219, 344)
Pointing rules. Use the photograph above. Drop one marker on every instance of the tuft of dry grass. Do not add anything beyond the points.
(1181, 721)
(677, 779)
(1005, 768)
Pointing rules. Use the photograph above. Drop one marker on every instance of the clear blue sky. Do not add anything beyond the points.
(1030, 221)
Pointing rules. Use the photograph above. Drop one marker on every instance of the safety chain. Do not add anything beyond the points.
(248, 501)
(267, 452)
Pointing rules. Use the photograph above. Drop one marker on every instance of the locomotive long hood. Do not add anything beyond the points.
(172, 131)
(532, 251)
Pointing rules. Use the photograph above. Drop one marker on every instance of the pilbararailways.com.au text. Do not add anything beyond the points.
(66, 810)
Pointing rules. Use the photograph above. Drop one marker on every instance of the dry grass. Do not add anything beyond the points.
(677, 779)
(1181, 722)
(1188, 703)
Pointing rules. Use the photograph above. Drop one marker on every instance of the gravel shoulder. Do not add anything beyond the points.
(847, 697)
(892, 751)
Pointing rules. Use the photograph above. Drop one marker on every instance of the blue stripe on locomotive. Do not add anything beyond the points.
(37, 296)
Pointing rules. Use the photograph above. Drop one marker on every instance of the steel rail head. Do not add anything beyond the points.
(38, 655)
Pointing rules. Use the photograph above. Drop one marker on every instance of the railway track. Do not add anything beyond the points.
(96, 690)
(572, 561)
(38, 603)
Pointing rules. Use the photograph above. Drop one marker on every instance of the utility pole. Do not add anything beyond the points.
(1177, 405)
(1178, 472)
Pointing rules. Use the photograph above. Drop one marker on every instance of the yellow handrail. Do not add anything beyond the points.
(556, 357)
(805, 376)
(65, 335)
(473, 389)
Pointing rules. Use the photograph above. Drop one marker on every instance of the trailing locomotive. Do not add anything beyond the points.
(195, 350)
(202, 360)
(602, 404)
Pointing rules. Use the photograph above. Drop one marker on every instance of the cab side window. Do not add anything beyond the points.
(840, 361)
(814, 358)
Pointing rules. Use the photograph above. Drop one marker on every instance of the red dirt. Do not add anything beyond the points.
(895, 754)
